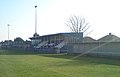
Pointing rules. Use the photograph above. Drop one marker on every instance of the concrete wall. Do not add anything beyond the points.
(97, 49)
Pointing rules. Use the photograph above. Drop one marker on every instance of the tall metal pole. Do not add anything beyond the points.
(8, 32)
(35, 19)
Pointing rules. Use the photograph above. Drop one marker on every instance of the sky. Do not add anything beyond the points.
(102, 15)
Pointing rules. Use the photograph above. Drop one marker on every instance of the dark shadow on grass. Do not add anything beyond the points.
(64, 56)
(18, 52)
(83, 60)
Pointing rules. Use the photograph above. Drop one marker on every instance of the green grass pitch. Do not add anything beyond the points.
(19, 64)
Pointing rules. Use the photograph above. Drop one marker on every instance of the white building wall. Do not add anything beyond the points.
(99, 49)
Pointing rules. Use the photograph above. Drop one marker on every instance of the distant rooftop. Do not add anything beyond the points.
(88, 39)
(108, 38)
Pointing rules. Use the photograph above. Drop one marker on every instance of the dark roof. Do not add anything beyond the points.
(70, 34)
(109, 38)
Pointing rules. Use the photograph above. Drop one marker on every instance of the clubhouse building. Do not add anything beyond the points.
(74, 43)
(56, 43)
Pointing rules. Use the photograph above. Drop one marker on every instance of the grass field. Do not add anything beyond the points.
(20, 64)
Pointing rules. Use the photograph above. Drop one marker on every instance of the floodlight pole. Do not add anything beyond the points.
(8, 31)
(35, 19)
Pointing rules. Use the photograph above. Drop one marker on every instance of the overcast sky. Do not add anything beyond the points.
(103, 16)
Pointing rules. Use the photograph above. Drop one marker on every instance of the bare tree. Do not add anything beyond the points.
(78, 24)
